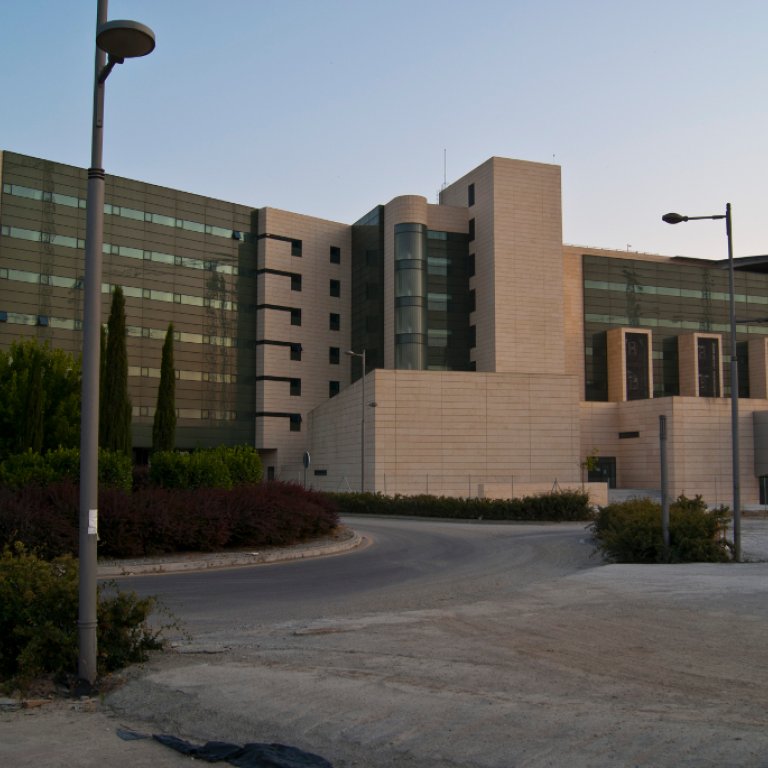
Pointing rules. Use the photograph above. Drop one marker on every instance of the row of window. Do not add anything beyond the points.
(334, 318)
(334, 287)
(294, 386)
(205, 414)
(120, 250)
(134, 331)
(57, 281)
(688, 325)
(297, 247)
(182, 375)
(294, 419)
(675, 291)
(128, 213)
(148, 217)
(188, 413)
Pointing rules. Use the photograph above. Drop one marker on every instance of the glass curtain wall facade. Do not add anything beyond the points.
(432, 296)
(410, 297)
(367, 321)
(670, 298)
(449, 301)
(178, 257)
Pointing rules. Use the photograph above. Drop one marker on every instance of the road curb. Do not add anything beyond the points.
(345, 541)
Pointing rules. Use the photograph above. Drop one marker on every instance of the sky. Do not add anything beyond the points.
(330, 107)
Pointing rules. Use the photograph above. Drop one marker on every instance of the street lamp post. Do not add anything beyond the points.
(361, 355)
(120, 40)
(676, 218)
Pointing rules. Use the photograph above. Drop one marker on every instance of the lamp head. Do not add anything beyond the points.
(124, 39)
(673, 218)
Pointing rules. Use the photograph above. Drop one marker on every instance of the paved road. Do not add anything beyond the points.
(406, 565)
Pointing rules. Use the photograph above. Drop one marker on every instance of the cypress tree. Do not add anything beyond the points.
(103, 415)
(117, 404)
(32, 430)
(164, 426)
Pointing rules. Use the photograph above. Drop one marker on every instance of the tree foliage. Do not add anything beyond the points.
(115, 405)
(39, 398)
(164, 425)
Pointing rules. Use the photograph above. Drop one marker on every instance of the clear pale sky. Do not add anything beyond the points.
(329, 107)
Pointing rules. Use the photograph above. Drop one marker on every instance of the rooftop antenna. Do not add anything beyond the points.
(445, 168)
(445, 176)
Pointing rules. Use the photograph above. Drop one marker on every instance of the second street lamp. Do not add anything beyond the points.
(676, 218)
(361, 355)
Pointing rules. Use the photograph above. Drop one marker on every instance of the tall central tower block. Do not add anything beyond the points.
(515, 239)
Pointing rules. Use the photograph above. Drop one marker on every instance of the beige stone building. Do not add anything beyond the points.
(497, 358)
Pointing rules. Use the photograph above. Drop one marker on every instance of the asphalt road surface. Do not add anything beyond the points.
(405, 565)
(472, 645)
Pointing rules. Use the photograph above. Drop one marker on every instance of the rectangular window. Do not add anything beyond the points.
(295, 419)
(709, 367)
(334, 387)
(472, 336)
(334, 355)
(295, 351)
(295, 317)
(472, 301)
(471, 229)
(471, 195)
(295, 247)
(295, 282)
(335, 321)
(295, 387)
(471, 265)
(335, 254)
(335, 288)
(636, 351)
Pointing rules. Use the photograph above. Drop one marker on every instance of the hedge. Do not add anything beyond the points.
(559, 506)
(152, 521)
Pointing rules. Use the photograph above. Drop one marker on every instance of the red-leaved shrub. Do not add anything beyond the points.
(153, 521)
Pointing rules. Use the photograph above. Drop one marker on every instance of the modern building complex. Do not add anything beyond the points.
(497, 358)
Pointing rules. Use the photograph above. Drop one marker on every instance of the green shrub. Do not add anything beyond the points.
(631, 532)
(22, 469)
(115, 470)
(38, 620)
(168, 469)
(221, 467)
(207, 469)
(559, 506)
(63, 465)
(243, 463)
